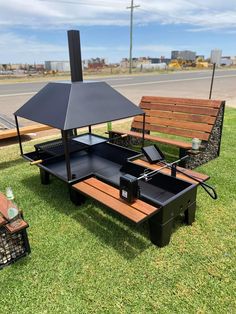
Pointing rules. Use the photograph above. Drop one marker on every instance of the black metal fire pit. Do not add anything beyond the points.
(74, 158)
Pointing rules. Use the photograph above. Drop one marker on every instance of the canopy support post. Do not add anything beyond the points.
(143, 138)
(67, 154)
(19, 137)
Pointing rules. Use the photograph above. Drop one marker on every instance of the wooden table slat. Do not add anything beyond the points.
(110, 190)
(111, 202)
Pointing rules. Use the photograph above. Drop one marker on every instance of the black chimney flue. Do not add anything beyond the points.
(75, 56)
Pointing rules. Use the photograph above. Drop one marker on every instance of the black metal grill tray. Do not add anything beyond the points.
(56, 147)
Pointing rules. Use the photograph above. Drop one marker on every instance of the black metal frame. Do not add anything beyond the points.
(67, 154)
(144, 121)
(18, 135)
(212, 79)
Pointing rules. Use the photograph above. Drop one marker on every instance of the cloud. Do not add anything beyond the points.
(201, 15)
(15, 48)
(17, 18)
(208, 14)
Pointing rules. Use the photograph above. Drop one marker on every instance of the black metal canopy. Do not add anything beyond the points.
(68, 106)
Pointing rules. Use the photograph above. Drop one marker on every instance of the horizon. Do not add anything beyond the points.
(36, 31)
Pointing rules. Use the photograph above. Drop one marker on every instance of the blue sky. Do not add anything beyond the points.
(35, 30)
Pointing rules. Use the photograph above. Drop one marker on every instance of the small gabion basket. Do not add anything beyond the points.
(14, 243)
(13, 246)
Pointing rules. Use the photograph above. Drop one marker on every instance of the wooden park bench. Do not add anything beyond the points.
(185, 118)
(10, 133)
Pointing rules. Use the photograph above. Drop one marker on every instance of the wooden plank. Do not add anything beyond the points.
(111, 202)
(186, 109)
(183, 101)
(2, 221)
(4, 204)
(173, 131)
(16, 226)
(179, 116)
(23, 130)
(110, 190)
(11, 227)
(203, 127)
(195, 174)
(154, 138)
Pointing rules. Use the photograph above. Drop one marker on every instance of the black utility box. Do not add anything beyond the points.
(129, 189)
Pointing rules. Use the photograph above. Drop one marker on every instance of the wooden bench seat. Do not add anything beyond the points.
(137, 212)
(154, 138)
(184, 118)
(160, 218)
(5, 134)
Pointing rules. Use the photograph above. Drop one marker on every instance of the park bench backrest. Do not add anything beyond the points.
(183, 117)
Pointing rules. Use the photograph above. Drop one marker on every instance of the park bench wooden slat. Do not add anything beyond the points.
(178, 116)
(172, 131)
(109, 196)
(187, 109)
(183, 101)
(162, 140)
(203, 127)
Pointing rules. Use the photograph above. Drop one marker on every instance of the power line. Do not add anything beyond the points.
(132, 7)
(97, 4)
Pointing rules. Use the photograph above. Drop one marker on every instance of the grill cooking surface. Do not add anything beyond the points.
(56, 147)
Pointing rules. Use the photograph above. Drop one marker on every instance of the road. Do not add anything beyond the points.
(194, 84)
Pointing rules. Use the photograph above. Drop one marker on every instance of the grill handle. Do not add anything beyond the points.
(36, 162)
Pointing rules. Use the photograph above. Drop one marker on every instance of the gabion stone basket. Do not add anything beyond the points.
(12, 246)
(14, 242)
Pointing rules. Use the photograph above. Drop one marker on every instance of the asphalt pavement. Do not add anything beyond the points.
(194, 84)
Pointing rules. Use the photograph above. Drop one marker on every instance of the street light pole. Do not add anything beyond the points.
(132, 7)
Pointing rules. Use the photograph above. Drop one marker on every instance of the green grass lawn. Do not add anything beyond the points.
(89, 260)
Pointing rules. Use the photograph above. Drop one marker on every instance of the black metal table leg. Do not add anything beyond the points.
(182, 153)
(44, 176)
(189, 214)
(160, 233)
(75, 197)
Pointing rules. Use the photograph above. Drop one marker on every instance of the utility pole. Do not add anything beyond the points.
(132, 7)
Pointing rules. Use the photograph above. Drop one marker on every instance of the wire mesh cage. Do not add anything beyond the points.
(12, 246)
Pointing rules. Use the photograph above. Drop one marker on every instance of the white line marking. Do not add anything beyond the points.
(116, 79)
(19, 94)
(173, 81)
(137, 84)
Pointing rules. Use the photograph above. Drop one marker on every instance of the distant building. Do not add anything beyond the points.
(202, 57)
(143, 61)
(39, 67)
(160, 60)
(185, 55)
(95, 63)
(216, 55)
(233, 60)
(58, 66)
(153, 66)
(226, 61)
(124, 63)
